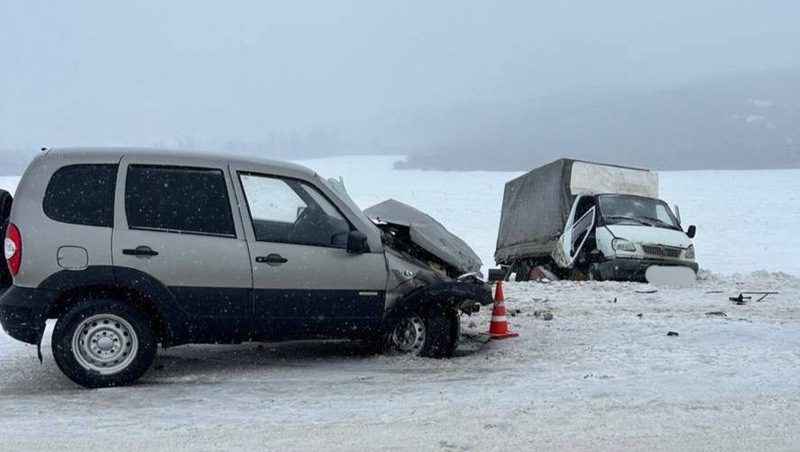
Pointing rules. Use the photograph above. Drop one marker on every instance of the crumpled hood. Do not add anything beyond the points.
(427, 233)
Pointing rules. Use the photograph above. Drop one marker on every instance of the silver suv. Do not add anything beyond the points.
(130, 248)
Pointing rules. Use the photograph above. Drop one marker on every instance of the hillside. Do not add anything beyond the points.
(737, 121)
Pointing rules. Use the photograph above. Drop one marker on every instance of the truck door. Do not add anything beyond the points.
(305, 282)
(579, 225)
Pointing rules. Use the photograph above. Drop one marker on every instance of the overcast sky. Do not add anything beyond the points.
(143, 72)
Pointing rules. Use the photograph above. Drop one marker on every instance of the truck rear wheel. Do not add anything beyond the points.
(102, 343)
(523, 271)
(433, 333)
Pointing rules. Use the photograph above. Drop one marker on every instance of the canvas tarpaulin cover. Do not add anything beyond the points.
(535, 208)
(536, 205)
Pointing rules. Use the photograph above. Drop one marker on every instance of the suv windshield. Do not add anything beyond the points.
(628, 209)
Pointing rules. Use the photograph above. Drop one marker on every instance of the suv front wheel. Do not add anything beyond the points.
(101, 343)
(433, 333)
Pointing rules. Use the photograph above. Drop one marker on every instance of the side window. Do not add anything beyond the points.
(662, 214)
(583, 222)
(178, 199)
(82, 194)
(586, 203)
(290, 211)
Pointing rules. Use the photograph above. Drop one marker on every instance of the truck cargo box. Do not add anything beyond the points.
(536, 205)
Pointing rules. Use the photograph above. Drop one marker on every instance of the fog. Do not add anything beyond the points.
(311, 78)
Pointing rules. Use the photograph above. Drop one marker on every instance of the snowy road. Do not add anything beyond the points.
(596, 376)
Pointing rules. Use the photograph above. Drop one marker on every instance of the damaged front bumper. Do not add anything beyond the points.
(622, 269)
(463, 295)
(414, 285)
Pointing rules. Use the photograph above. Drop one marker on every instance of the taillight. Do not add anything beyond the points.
(12, 248)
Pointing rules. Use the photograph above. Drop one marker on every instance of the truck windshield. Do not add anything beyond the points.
(621, 209)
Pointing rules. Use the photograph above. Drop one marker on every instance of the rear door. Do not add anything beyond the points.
(175, 224)
(305, 282)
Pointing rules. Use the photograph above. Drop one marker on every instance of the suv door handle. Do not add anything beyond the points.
(272, 259)
(142, 250)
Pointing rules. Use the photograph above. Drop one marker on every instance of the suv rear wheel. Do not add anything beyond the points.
(433, 333)
(101, 343)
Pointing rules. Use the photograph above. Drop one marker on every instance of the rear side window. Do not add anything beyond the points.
(82, 194)
(178, 199)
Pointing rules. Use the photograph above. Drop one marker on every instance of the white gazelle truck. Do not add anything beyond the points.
(593, 221)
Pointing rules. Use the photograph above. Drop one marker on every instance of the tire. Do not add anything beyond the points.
(592, 274)
(5, 212)
(103, 343)
(523, 272)
(5, 206)
(434, 333)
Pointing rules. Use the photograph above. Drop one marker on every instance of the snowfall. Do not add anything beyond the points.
(601, 374)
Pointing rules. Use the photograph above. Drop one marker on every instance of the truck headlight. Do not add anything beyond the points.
(689, 252)
(623, 245)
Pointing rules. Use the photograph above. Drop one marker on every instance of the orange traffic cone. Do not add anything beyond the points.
(498, 328)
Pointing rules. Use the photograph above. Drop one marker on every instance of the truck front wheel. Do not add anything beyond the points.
(433, 333)
(592, 273)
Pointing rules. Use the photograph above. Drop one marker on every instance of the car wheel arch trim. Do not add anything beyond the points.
(115, 283)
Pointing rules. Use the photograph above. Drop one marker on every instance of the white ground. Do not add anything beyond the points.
(595, 377)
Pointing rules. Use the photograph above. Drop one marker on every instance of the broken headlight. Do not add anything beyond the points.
(623, 245)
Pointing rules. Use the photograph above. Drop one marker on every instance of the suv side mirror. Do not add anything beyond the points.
(357, 243)
(691, 231)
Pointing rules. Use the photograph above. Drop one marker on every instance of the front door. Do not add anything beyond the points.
(174, 227)
(306, 284)
(577, 230)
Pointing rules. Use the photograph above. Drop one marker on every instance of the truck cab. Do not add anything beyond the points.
(620, 236)
(588, 220)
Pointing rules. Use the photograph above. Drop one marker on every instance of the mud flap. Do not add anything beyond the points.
(39, 346)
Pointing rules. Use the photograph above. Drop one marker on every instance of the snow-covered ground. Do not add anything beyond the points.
(597, 376)
(603, 374)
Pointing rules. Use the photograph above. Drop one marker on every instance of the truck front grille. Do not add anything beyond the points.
(662, 251)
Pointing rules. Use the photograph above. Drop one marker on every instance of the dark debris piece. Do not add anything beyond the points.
(741, 299)
(673, 333)
(763, 294)
(717, 313)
